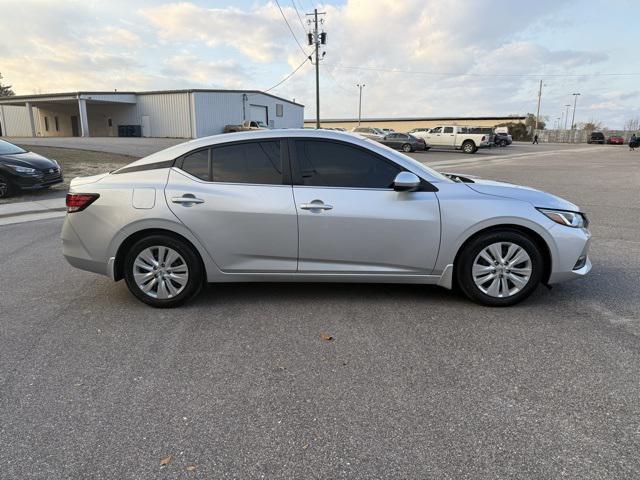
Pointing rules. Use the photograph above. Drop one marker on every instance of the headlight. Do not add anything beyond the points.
(20, 169)
(566, 218)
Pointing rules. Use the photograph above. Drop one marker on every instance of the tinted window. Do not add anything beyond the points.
(197, 164)
(436, 130)
(330, 164)
(448, 130)
(256, 162)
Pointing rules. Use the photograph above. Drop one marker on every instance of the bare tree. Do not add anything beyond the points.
(5, 90)
(632, 124)
(592, 125)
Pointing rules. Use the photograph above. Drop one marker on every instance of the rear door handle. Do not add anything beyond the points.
(315, 205)
(187, 199)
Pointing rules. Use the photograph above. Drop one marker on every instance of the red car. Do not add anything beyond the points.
(615, 140)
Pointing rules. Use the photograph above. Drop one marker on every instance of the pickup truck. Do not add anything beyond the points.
(245, 126)
(454, 136)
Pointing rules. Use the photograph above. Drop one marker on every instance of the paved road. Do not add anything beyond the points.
(417, 383)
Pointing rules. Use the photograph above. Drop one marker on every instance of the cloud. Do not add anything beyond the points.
(417, 57)
(256, 34)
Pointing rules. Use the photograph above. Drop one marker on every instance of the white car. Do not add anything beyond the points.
(369, 132)
(315, 206)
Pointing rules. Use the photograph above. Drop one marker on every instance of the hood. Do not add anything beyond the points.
(535, 197)
(28, 159)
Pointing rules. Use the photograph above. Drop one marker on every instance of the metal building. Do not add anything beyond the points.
(170, 113)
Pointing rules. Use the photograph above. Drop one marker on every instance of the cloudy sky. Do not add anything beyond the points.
(416, 57)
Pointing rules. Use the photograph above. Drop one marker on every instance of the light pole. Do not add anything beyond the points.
(573, 117)
(566, 119)
(360, 103)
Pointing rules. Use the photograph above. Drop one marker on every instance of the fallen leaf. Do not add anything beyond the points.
(191, 468)
(166, 460)
(326, 337)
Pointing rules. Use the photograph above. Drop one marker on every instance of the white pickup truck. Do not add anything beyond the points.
(453, 136)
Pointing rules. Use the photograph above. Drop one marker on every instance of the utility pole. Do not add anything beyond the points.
(566, 116)
(360, 103)
(573, 117)
(538, 112)
(317, 38)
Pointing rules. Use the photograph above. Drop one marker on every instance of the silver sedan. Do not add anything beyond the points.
(315, 206)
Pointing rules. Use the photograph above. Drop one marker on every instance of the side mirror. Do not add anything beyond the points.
(406, 182)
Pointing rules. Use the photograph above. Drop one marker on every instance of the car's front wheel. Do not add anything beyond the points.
(499, 268)
(407, 148)
(6, 188)
(163, 271)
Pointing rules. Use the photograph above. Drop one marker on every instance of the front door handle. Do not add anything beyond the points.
(187, 199)
(315, 205)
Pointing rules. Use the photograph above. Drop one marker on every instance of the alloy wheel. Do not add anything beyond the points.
(502, 269)
(160, 272)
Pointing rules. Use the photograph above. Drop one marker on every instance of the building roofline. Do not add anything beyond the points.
(218, 90)
(417, 119)
(151, 92)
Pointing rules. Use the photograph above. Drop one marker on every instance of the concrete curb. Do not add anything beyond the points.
(33, 209)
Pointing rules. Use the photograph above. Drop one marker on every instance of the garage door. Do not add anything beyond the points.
(259, 114)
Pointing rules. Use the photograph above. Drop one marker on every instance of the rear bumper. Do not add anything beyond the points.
(77, 254)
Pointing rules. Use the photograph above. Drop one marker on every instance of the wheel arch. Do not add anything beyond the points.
(128, 242)
(535, 237)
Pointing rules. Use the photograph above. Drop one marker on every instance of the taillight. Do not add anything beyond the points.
(76, 202)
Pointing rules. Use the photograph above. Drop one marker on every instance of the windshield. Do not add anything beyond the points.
(7, 148)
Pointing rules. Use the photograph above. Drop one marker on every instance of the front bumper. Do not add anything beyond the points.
(571, 259)
(34, 182)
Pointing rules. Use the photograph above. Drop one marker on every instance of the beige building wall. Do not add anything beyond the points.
(404, 125)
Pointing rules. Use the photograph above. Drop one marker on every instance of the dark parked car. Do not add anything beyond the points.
(404, 142)
(502, 139)
(23, 170)
(596, 137)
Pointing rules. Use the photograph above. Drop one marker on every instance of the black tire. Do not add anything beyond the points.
(427, 149)
(406, 148)
(189, 254)
(469, 147)
(464, 267)
(6, 187)
(503, 143)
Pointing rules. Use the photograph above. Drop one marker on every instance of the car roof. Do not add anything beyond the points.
(176, 151)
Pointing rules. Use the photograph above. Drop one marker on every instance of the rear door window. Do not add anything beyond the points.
(251, 162)
(197, 164)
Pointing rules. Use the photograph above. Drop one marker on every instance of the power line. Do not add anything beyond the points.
(283, 80)
(291, 29)
(293, 2)
(451, 74)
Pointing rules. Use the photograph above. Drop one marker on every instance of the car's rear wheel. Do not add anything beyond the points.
(6, 188)
(406, 148)
(469, 147)
(163, 271)
(499, 268)
(503, 143)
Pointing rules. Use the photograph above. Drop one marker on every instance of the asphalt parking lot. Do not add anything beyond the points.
(416, 382)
